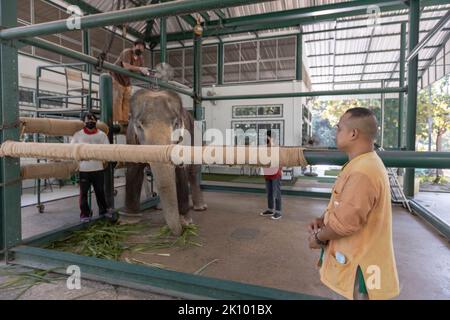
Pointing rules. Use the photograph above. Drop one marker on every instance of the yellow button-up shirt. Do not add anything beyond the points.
(360, 210)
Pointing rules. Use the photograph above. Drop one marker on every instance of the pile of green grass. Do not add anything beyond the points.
(108, 240)
(25, 280)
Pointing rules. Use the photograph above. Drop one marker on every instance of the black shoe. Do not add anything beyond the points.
(111, 214)
(266, 213)
(276, 216)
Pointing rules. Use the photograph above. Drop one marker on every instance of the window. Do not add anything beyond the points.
(255, 132)
(182, 61)
(26, 96)
(275, 110)
(260, 60)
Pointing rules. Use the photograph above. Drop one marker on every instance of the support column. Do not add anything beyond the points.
(106, 104)
(88, 69)
(198, 78)
(163, 39)
(299, 60)
(411, 116)
(220, 63)
(10, 182)
(401, 95)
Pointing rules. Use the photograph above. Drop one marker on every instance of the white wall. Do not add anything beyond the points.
(218, 115)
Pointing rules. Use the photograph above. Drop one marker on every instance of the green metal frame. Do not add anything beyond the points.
(10, 181)
(88, 9)
(401, 95)
(121, 16)
(93, 61)
(299, 58)
(172, 283)
(307, 94)
(163, 40)
(411, 115)
(168, 281)
(106, 107)
(289, 18)
(431, 218)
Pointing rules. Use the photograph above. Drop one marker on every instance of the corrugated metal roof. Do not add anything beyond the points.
(331, 55)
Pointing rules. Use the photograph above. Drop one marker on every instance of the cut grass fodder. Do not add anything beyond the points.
(108, 240)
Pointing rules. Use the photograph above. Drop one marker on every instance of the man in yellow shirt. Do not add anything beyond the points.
(355, 232)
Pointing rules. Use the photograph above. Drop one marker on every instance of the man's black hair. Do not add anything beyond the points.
(88, 115)
(139, 41)
(359, 112)
(370, 128)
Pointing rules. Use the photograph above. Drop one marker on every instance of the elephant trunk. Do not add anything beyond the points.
(164, 175)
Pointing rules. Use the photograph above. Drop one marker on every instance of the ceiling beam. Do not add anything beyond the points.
(290, 18)
(89, 9)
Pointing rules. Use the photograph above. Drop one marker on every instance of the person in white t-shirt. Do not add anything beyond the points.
(91, 172)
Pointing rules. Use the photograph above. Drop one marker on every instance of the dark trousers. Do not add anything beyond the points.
(273, 189)
(96, 179)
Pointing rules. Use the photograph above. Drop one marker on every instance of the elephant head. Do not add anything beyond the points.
(154, 117)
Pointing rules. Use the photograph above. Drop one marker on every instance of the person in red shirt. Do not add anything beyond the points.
(273, 187)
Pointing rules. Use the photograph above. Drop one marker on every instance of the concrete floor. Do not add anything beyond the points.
(258, 250)
(436, 202)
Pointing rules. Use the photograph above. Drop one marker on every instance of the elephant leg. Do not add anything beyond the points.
(134, 178)
(165, 180)
(197, 194)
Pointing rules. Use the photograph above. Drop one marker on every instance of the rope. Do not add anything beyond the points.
(108, 44)
(173, 154)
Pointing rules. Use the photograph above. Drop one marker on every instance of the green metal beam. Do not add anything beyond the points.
(368, 37)
(198, 114)
(364, 26)
(172, 283)
(307, 94)
(122, 16)
(289, 18)
(438, 27)
(411, 116)
(431, 218)
(286, 192)
(359, 64)
(395, 159)
(205, 16)
(299, 58)
(364, 52)
(89, 9)
(220, 14)
(163, 41)
(10, 181)
(106, 107)
(46, 45)
(189, 20)
(353, 74)
(220, 63)
(401, 95)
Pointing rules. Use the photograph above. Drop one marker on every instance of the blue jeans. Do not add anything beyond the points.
(273, 189)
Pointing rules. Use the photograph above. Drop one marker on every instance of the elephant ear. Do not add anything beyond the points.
(182, 190)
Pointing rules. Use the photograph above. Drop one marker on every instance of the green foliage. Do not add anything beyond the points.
(327, 114)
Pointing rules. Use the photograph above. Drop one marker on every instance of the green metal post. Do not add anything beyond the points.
(299, 60)
(220, 63)
(163, 39)
(401, 95)
(198, 112)
(306, 94)
(198, 78)
(106, 104)
(10, 188)
(414, 19)
(88, 69)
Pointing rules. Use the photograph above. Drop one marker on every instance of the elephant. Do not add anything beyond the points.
(155, 114)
